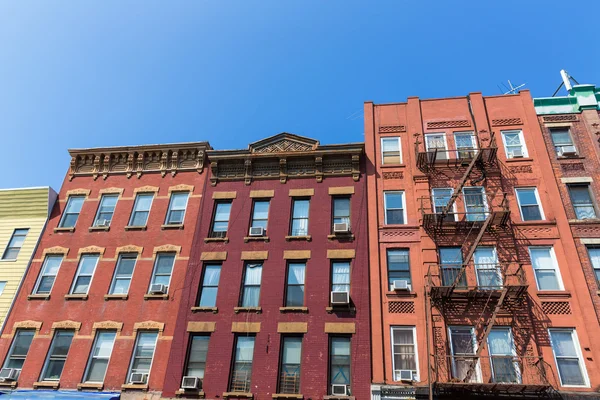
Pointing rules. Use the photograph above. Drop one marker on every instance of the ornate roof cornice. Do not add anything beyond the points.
(130, 160)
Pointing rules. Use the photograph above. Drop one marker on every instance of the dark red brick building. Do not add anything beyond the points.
(257, 317)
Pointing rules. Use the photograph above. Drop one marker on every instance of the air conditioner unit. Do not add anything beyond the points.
(339, 390)
(517, 153)
(340, 298)
(103, 222)
(8, 374)
(158, 288)
(466, 154)
(137, 378)
(568, 151)
(341, 228)
(257, 231)
(401, 285)
(405, 375)
(191, 382)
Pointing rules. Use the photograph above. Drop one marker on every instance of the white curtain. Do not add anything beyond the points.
(341, 277)
(297, 274)
(212, 275)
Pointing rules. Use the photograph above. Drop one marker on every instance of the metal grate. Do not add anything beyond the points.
(560, 118)
(556, 307)
(401, 307)
(448, 124)
(507, 121)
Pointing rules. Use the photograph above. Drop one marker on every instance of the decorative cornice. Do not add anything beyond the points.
(29, 324)
(181, 188)
(130, 248)
(149, 325)
(146, 189)
(68, 324)
(167, 248)
(78, 192)
(55, 250)
(112, 325)
(111, 190)
(91, 249)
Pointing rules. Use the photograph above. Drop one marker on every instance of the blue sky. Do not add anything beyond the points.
(84, 74)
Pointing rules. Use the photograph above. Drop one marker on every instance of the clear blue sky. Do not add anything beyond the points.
(85, 74)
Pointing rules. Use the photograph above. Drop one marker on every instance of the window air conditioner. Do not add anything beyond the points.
(137, 378)
(341, 228)
(339, 298)
(191, 382)
(8, 374)
(466, 154)
(103, 222)
(401, 285)
(339, 390)
(158, 288)
(257, 231)
(405, 375)
(568, 151)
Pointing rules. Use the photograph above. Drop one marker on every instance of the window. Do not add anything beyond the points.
(289, 370)
(2, 286)
(466, 146)
(404, 349)
(242, 364)
(441, 198)
(451, 260)
(141, 209)
(123, 274)
(395, 209)
(294, 291)
(72, 210)
(57, 355)
(435, 143)
(196, 362)
(391, 150)
(514, 144)
(162, 269)
(594, 254)
(567, 355)
(462, 346)
(398, 267)
(106, 209)
(14, 244)
(475, 203)
(341, 210)
(505, 365)
(563, 144)
(529, 203)
(582, 201)
(19, 349)
(210, 285)
(545, 268)
(143, 354)
(489, 275)
(260, 214)
(220, 219)
(300, 208)
(339, 361)
(251, 289)
(47, 275)
(85, 273)
(177, 206)
(340, 276)
(99, 356)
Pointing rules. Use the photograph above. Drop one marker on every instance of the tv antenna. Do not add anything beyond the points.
(566, 81)
(510, 89)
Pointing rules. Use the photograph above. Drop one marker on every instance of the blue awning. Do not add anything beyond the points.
(58, 395)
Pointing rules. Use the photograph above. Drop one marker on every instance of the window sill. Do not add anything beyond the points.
(293, 309)
(525, 159)
(584, 221)
(9, 260)
(256, 239)
(331, 310)
(401, 293)
(46, 385)
(95, 386)
(11, 385)
(538, 222)
(392, 165)
(554, 293)
(333, 397)
(238, 310)
(149, 296)
(99, 228)
(213, 310)
(39, 297)
(247, 395)
(69, 229)
(116, 297)
(210, 240)
(190, 392)
(287, 396)
(171, 226)
(308, 238)
(136, 228)
(134, 386)
(575, 157)
(76, 296)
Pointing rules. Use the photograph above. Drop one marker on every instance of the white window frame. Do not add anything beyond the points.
(91, 356)
(41, 274)
(537, 199)
(474, 341)
(170, 208)
(137, 340)
(11, 349)
(153, 276)
(12, 236)
(454, 209)
(403, 193)
(516, 366)
(485, 202)
(135, 203)
(399, 140)
(63, 216)
(568, 128)
(475, 148)
(442, 134)
(521, 139)
(102, 198)
(577, 346)
(415, 345)
(78, 273)
(114, 277)
(554, 265)
(49, 355)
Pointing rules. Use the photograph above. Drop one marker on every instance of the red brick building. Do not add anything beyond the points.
(476, 287)
(98, 306)
(258, 316)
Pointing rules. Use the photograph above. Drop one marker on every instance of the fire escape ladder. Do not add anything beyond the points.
(462, 182)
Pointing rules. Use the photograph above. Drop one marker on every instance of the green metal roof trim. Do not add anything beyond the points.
(581, 97)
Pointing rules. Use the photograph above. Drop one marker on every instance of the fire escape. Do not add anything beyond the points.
(467, 295)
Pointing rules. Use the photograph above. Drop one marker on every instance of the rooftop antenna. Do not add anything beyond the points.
(566, 81)
(510, 89)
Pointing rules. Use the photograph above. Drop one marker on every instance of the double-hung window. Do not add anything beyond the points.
(85, 273)
(545, 268)
(163, 267)
(391, 150)
(300, 210)
(123, 273)
(289, 369)
(48, 274)
(72, 210)
(210, 285)
(251, 289)
(14, 244)
(568, 357)
(435, 144)
(99, 356)
(339, 361)
(341, 210)
(563, 143)
(143, 353)
(529, 204)
(398, 267)
(395, 208)
(451, 264)
(594, 254)
(340, 276)
(19, 349)
(294, 291)
(466, 145)
(57, 355)
(241, 373)
(141, 209)
(220, 219)
(514, 144)
(581, 198)
(106, 209)
(260, 214)
(404, 348)
(196, 362)
(177, 206)
(441, 197)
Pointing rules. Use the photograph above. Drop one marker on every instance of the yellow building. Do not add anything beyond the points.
(23, 216)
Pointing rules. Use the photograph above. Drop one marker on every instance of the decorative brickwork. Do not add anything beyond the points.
(556, 307)
(401, 307)
(507, 121)
(560, 118)
(392, 129)
(572, 167)
(393, 175)
(448, 124)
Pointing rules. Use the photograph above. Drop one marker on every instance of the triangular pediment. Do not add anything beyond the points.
(284, 143)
